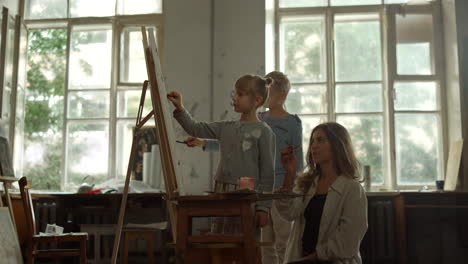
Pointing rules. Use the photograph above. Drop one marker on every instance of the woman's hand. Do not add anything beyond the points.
(261, 218)
(288, 159)
(195, 142)
(176, 99)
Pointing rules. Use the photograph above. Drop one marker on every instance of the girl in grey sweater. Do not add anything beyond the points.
(247, 146)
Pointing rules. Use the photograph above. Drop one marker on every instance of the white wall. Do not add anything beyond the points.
(12, 5)
(456, 67)
(461, 8)
(187, 67)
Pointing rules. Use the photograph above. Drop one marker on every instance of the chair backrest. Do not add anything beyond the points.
(28, 206)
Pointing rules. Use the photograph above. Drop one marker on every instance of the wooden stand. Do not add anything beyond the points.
(196, 248)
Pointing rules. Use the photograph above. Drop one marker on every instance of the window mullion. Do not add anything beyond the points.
(64, 165)
(116, 28)
(391, 75)
(277, 35)
(330, 39)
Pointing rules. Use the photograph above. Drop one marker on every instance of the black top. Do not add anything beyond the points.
(312, 215)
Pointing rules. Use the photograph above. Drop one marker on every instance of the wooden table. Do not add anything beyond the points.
(189, 247)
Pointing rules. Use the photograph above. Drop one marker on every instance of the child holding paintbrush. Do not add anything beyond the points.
(247, 145)
(288, 131)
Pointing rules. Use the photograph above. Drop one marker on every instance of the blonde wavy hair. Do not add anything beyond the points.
(343, 153)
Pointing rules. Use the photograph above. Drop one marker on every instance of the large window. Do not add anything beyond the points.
(85, 71)
(372, 66)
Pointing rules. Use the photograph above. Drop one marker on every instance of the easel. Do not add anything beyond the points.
(162, 135)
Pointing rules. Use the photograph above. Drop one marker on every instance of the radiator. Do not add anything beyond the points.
(45, 213)
(382, 231)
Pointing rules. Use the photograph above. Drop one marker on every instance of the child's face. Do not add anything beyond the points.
(243, 101)
(275, 98)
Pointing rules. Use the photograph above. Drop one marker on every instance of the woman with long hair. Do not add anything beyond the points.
(330, 218)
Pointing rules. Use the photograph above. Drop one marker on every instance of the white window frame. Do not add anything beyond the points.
(118, 23)
(389, 76)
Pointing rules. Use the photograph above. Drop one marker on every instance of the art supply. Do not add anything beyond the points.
(367, 178)
(246, 183)
(440, 185)
(181, 142)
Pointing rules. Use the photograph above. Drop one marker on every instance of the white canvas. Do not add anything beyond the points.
(167, 114)
(10, 252)
(453, 165)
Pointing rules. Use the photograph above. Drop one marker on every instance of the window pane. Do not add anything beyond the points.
(402, 1)
(124, 145)
(92, 8)
(354, 2)
(414, 58)
(308, 124)
(416, 96)
(131, 7)
(87, 153)
(303, 49)
(302, 3)
(41, 9)
(132, 57)
(367, 136)
(414, 38)
(417, 148)
(90, 57)
(88, 104)
(358, 98)
(45, 107)
(128, 102)
(358, 48)
(307, 99)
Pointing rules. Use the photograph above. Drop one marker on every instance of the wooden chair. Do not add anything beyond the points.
(34, 239)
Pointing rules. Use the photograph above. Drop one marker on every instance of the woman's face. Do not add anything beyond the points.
(320, 147)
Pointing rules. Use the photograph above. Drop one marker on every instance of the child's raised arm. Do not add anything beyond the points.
(176, 99)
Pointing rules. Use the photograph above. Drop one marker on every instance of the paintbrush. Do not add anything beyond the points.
(181, 142)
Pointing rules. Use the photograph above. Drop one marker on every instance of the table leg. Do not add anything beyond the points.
(248, 233)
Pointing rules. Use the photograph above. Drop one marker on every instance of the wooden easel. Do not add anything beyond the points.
(164, 139)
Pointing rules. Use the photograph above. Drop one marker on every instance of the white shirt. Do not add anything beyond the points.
(342, 226)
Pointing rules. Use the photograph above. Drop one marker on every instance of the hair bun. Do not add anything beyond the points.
(268, 81)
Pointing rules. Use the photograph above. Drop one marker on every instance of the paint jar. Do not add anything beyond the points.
(246, 183)
(367, 178)
(440, 185)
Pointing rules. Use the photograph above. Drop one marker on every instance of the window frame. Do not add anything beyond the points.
(117, 24)
(387, 13)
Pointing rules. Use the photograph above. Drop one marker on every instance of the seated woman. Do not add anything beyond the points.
(330, 219)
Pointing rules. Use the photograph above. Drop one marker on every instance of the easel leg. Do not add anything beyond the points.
(182, 233)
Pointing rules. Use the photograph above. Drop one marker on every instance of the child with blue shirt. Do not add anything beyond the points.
(288, 131)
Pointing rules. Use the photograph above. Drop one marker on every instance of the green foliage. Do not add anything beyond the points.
(44, 105)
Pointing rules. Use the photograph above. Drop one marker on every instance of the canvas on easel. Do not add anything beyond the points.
(453, 165)
(10, 251)
(6, 167)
